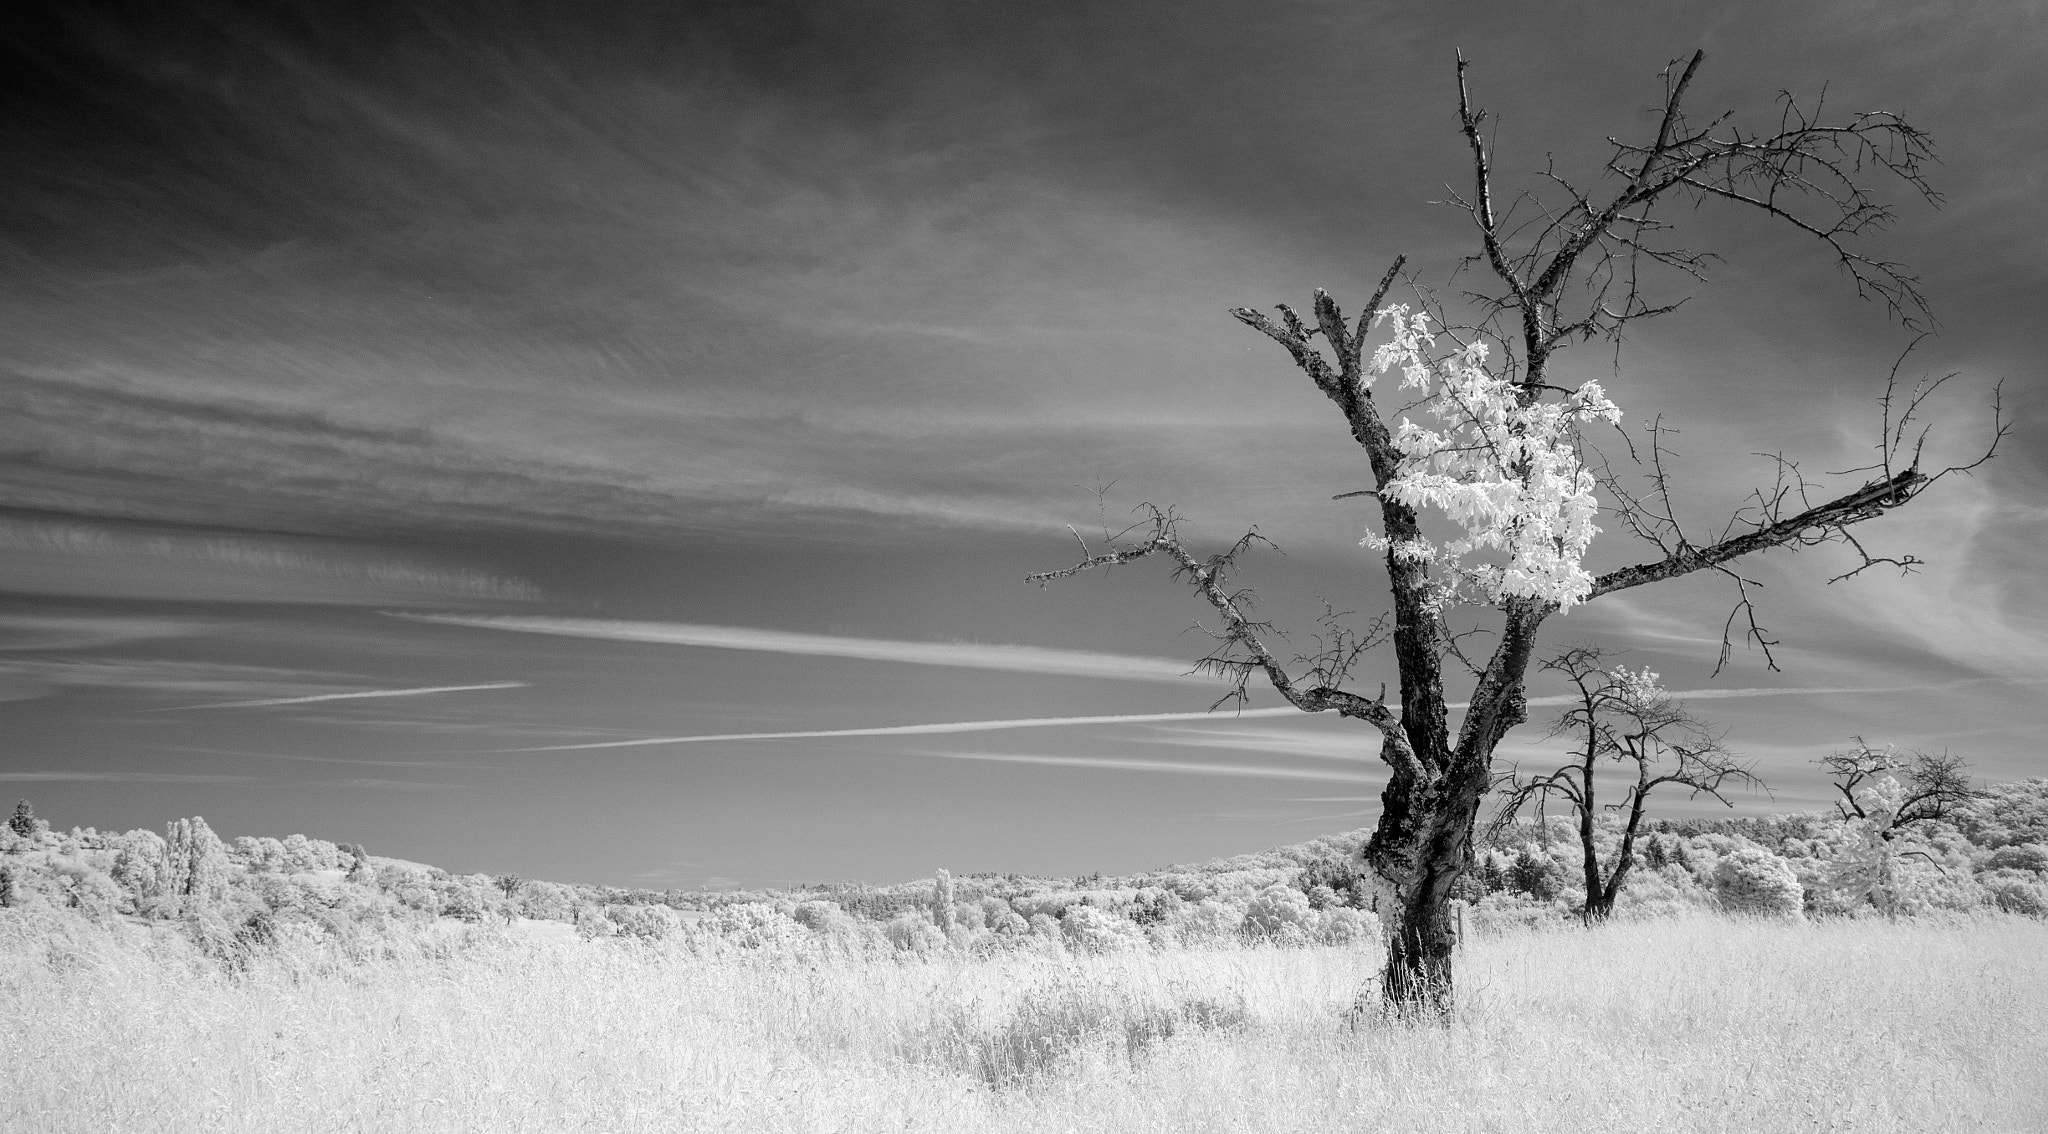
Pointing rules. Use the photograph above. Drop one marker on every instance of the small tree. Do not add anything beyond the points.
(1878, 806)
(1933, 787)
(1622, 718)
(942, 900)
(24, 821)
(360, 871)
(195, 867)
(1752, 880)
(1496, 466)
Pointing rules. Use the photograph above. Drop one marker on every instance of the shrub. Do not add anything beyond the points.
(2022, 856)
(139, 860)
(2017, 892)
(1752, 880)
(1343, 925)
(647, 922)
(1278, 913)
(913, 932)
(546, 901)
(1208, 920)
(1090, 930)
(89, 891)
(360, 871)
(755, 925)
(418, 896)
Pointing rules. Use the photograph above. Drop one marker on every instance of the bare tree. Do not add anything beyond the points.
(1931, 789)
(1625, 718)
(1569, 272)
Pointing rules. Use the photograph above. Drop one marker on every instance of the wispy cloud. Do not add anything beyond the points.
(1351, 744)
(166, 561)
(303, 759)
(903, 730)
(382, 785)
(88, 631)
(1293, 743)
(419, 692)
(1172, 767)
(163, 676)
(124, 777)
(968, 655)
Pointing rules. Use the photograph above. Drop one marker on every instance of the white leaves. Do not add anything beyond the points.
(1500, 463)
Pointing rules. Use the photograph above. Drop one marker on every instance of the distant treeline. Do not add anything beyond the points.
(1989, 853)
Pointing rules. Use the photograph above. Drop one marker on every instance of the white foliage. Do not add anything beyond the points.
(1500, 464)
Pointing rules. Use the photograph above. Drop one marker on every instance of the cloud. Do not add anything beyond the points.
(1293, 743)
(904, 730)
(124, 777)
(1359, 744)
(968, 655)
(1172, 767)
(419, 692)
(86, 632)
(122, 560)
(334, 759)
(39, 677)
(381, 785)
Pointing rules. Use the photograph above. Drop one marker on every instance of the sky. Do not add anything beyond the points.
(608, 443)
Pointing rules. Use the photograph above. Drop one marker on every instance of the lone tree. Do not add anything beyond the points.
(1498, 466)
(1621, 717)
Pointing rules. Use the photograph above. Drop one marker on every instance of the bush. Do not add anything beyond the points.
(546, 901)
(1090, 930)
(1752, 880)
(648, 922)
(2023, 856)
(1208, 920)
(913, 932)
(755, 925)
(1278, 913)
(1343, 925)
(2017, 892)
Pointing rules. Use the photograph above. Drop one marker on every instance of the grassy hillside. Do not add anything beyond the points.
(174, 982)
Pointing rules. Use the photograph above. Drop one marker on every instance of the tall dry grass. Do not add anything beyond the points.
(1700, 1024)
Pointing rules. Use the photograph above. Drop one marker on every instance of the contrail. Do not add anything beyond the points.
(968, 655)
(1174, 766)
(353, 696)
(909, 730)
(1129, 718)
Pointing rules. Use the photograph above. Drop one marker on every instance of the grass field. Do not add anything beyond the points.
(1698, 1024)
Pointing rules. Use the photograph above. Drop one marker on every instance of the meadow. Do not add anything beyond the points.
(1695, 1022)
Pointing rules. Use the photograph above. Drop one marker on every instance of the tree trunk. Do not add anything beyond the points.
(1598, 904)
(1420, 849)
(1419, 950)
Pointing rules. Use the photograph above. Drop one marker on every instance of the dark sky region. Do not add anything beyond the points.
(403, 402)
